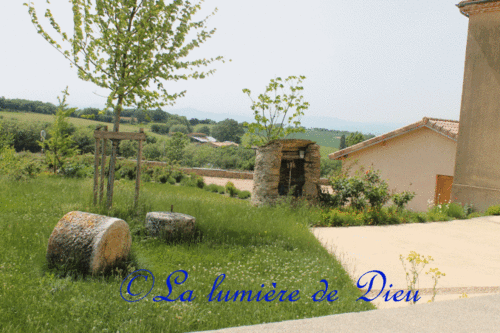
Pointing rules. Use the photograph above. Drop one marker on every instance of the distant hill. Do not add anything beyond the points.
(323, 122)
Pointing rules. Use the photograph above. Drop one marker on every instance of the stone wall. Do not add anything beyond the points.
(312, 171)
(267, 174)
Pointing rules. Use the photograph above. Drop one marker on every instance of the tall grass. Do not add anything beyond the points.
(252, 246)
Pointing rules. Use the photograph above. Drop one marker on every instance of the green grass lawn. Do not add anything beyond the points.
(78, 122)
(251, 246)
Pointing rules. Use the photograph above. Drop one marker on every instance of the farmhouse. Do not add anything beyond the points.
(419, 157)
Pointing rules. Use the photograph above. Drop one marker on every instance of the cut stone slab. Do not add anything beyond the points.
(91, 242)
(167, 224)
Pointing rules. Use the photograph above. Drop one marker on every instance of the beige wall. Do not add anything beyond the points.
(410, 162)
(477, 171)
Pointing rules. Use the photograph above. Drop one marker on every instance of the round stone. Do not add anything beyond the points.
(167, 224)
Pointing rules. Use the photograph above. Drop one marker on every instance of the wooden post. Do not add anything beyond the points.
(138, 175)
(103, 165)
(96, 169)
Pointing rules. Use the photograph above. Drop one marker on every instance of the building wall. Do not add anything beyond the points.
(477, 175)
(409, 162)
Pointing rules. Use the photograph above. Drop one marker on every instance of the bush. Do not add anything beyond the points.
(402, 199)
(179, 128)
(493, 210)
(84, 141)
(473, 215)
(212, 188)
(358, 190)
(177, 175)
(230, 189)
(338, 218)
(152, 151)
(193, 181)
(128, 148)
(171, 181)
(456, 211)
(160, 129)
(221, 189)
(244, 195)
(76, 170)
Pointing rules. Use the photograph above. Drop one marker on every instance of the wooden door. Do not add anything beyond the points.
(443, 189)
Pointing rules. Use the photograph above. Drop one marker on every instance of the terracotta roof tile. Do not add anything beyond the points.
(448, 128)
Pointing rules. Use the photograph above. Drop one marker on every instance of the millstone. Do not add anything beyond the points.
(166, 224)
(89, 241)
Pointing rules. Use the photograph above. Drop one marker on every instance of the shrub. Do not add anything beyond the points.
(402, 199)
(127, 172)
(230, 189)
(193, 181)
(128, 148)
(358, 190)
(160, 129)
(221, 189)
(179, 128)
(493, 210)
(171, 181)
(244, 194)
(338, 218)
(456, 211)
(473, 215)
(177, 175)
(152, 151)
(212, 188)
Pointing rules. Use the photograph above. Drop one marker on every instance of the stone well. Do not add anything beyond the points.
(282, 165)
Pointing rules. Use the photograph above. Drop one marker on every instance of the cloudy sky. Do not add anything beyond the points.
(388, 61)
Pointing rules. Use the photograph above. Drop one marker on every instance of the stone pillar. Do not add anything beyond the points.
(266, 175)
(312, 171)
(477, 165)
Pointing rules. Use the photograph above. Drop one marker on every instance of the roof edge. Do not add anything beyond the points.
(390, 135)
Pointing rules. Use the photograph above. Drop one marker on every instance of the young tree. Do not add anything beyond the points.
(175, 147)
(60, 145)
(342, 142)
(126, 46)
(271, 113)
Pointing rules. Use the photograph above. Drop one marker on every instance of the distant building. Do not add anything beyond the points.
(222, 144)
(201, 138)
(419, 157)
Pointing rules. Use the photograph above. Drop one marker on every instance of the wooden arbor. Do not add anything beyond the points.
(102, 136)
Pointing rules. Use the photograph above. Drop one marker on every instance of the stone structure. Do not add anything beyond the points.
(89, 242)
(166, 224)
(477, 172)
(279, 166)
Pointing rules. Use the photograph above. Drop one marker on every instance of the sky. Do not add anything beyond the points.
(385, 61)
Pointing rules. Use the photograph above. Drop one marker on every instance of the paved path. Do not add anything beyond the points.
(467, 251)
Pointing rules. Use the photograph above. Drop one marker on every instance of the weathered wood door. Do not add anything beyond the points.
(443, 189)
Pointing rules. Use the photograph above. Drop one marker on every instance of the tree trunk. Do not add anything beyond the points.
(112, 160)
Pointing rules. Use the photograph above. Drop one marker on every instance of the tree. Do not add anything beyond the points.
(354, 138)
(270, 113)
(178, 128)
(228, 130)
(175, 146)
(204, 129)
(342, 142)
(127, 45)
(60, 145)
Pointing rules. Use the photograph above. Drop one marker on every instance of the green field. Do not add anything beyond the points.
(322, 138)
(78, 122)
(251, 246)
